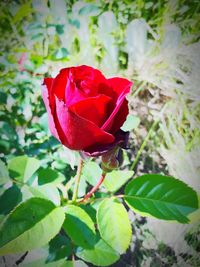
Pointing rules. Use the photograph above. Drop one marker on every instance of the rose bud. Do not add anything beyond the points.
(86, 110)
(112, 160)
(113, 157)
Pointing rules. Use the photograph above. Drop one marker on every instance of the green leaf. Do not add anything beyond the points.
(91, 172)
(195, 216)
(82, 187)
(90, 211)
(9, 199)
(79, 226)
(4, 176)
(114, 225)
(48, 175)
(60, 53)
(116, 179)
(89, 9)
(22, 12)
(47, 191)
(74, 264)
(3, 96)
(59, 248)
(22, 168)
(2, 219)
(75, 23)
(31, 225)
(101, 255)
(131, 123)
(42, 263)
(60, 28)
(163, 197)
(43, 121)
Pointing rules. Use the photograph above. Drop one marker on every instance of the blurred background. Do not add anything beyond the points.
(153, 43)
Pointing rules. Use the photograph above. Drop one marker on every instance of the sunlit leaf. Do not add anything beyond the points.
(114, 225)
(91, 172)
(101, 255)
(163, 197)
(31, 225)
(47, 191)
(131, 123)
(48, 175)
(116, 179)
(79, 226)
(23, 11)
(4, 176)
(21, 168)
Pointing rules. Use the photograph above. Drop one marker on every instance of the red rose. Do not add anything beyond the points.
(86, 110)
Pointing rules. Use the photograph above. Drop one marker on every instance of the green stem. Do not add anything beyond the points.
(144, 144)
(77, 180)
(153, 126)
(138, 89)
(80, 201)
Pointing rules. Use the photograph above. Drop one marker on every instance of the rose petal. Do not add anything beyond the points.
(59, 84)
(120, 117)
(83, 82)
(48, 82)
(45, 96)
(72, 93)
(94, 109)
(88, 79)
(77, 83)
(79, 133)
(121, 87)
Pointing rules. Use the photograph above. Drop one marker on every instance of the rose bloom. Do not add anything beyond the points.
(86, 110)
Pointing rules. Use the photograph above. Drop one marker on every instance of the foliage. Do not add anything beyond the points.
(43, 211)
(37, 173)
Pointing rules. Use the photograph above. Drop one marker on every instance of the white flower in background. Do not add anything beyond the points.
(189, 59)
(165, 62)
(86, 55)
(41, 7)
(174, 68)
(58, 11)
(108, 24)
(183, 163)
(171, 234)
(137, 44)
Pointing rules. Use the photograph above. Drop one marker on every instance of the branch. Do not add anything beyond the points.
(95, 188)
(77, 181)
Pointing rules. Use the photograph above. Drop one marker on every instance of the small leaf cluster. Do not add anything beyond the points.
(37, 210)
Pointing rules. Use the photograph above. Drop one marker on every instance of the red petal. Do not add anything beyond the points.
(83, 82)
(72, 93)
(45, 95)
(94, 109)
(121, 87)
(59, 84)
(79, 133)
(88, 79)
(120, 117)
(48, 82)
